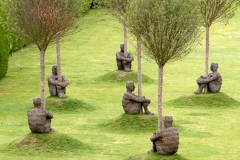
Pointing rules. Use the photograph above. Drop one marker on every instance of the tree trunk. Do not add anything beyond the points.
(160, 83)
(42, 79)
(207, 54)
(125, 37)
(139, 69)
(59, 70)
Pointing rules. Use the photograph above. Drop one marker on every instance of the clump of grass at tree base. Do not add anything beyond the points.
(121, 76)
(49, 143)
(207, 100)
(131, 124)
(156, 156)
(68, 105)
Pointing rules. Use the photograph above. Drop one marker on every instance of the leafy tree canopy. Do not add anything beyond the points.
(168, 28)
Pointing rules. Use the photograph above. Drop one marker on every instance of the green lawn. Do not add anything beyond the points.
(90, 124)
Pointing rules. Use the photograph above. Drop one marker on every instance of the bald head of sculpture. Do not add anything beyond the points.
(168, 120)
(122, 47)
(214, 67)
(37, 102)
(54, 70)
(130, 86)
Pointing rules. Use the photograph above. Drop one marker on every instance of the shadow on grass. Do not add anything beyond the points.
(121, 76)
(156, 156)
(52, 142)
(127, 123)
(205, 100)
(67, 105)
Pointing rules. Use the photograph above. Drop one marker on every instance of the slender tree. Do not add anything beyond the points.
(135, 30)
(139, 54)
(59, 66)
(40, 21)
(68, 14)
(118, 8)
(168, 31)
(215, 11)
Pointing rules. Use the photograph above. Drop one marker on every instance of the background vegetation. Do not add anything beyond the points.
(3, 50)
(17, 41)
(90, 123)
(3, 53)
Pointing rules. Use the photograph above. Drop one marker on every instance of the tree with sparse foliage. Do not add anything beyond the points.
(41, 21)
(135, 30)
(215, 11)
(168, 29)
(69, 14)
(118, 8)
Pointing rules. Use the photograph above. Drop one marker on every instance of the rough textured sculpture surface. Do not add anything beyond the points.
(56, 87)
(132, 104)
(124, 62)
(166, 142)
(213, 81)
(39, 120)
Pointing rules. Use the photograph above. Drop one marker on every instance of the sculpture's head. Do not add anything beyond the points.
(54, 70)
(214, 66)
(168, 120)
(122, 47)
(37, 102)
(130, 86)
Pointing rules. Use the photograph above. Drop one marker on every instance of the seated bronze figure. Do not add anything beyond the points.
(56, 87)
(165, 142)
(213, 81)
(39, 120)
(124, 62)
(132, 104)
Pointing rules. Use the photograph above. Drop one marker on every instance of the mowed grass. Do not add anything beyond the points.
(90, 123)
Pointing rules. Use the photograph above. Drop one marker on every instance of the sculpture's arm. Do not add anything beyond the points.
(49, 115)
(153, 137)
(52, 81)
(64, 83)
(156, 136)
(211, 77)
(136, 98)
(130, 58)
(121, 58)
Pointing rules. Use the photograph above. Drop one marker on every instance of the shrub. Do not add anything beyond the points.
(83, 7)
(98, 3)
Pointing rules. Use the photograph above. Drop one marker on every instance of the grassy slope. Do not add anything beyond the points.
(95, 127)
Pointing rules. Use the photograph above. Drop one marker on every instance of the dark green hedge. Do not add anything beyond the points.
(3, 47)
(3, 53)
